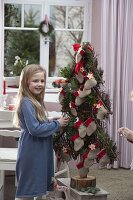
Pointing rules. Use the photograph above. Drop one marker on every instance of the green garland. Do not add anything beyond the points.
(45, 34)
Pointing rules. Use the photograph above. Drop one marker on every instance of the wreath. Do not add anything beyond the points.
(50, 28)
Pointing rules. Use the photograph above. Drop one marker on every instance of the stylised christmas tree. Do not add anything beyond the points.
(88, 107)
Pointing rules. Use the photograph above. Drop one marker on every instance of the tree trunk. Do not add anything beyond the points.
(78, 183)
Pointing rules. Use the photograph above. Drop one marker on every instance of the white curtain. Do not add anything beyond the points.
(117, 63)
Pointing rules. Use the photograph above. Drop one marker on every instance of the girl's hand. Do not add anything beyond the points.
(63, 121)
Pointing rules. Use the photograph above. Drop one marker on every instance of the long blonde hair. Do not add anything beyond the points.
(23, 91)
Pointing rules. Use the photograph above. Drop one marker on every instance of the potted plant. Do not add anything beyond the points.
(19, 64)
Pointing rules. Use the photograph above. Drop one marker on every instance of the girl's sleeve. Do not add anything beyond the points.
(36, 128)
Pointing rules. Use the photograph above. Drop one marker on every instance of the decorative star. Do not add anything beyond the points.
(92, 146)
(90, 75)
(98, 106)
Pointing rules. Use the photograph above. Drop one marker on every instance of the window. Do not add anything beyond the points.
(71, 20)
(68, 23)
(21, 37)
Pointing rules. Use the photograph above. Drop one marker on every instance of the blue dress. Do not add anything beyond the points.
(35, 166)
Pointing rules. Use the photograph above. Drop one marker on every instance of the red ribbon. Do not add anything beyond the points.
(83, 71)
(78, 66)
(76, 94)
(88, 121)
(78, 123)
(85, 155)
(74, 137)
(76, 46)
(80, 165)
(101, 154)
(90, 48)
(82, 52)
(72, 105)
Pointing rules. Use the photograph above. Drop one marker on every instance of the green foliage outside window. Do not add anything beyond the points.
(22, 43)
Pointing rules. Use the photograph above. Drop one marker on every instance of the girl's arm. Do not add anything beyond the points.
(36, 128)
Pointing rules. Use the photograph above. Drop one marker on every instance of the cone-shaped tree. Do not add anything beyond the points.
(88, 107)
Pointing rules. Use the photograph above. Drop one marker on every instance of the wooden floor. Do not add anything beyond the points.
(9, 190)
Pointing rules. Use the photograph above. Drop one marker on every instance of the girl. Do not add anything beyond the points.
(34, 167)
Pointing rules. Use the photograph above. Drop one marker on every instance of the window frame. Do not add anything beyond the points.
(87, 4)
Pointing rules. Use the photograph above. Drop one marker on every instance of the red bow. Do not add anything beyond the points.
(101, 154)
(76, 46)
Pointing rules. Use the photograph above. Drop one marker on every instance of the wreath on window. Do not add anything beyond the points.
(45, 28)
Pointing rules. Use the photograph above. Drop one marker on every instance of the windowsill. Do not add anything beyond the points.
(10, 81)
(48, 90)
(50, 98)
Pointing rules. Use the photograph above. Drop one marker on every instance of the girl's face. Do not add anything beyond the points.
(37, 83)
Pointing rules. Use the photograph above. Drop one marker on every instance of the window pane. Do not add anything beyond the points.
(12, 15)
(32, 15)
(75, 17)
(57, 16)
(25, 44)
(61, 51)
